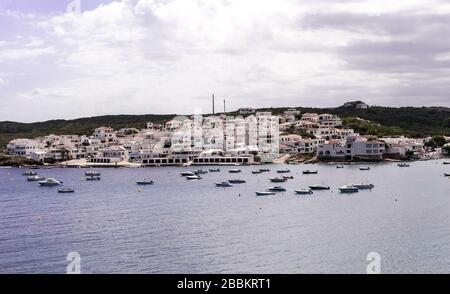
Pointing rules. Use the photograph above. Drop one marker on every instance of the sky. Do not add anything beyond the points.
(62, 59)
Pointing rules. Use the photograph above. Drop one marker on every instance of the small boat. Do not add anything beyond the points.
(446, 175)
(223, 184)
(288, 177)
(214, 170)
(187, 174)
(264, 193)
(310, 172)
(35, 178)
(319, 187)
(365, 168)
(199, 172)
(29, 173)
(303, 191)
(277, 189)
(144, 182)
(446, 162)
(194, 177)
(364, 186)
(66, 191)
(340, 166)
(264, 170)
(283, 171)
(34, 167)
(237, 181)
(403, 165)
(257, 172)
(278, 180)
(348, 189)
(92, 174)
(234, 171)
(92, 178)
(49, 182)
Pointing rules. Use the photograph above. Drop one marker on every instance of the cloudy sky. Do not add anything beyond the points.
(169, 56)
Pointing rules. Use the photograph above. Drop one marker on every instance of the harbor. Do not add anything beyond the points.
(177, 225)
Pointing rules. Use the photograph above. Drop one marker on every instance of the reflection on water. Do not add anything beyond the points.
(180, 226)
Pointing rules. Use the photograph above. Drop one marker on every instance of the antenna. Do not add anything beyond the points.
(213, 104)
(224, 108)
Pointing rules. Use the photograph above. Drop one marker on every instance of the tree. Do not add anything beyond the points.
(446, 150)
(439, 140)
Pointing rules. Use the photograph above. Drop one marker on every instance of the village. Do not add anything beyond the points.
(252, 137)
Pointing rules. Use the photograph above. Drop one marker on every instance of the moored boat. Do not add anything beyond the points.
(277, 189)
(92, 173)
(319, 187)
(264, 193)
(237, 181)
(340, 166)
(446, 175)
(446, 162)
(365, 168)
(348, 189)
(49, 182)
(144, 182)
(199, 172)
(283, 171)
(278, 180)
(364, 186)
(93, 178)
(224, 184)
(35, 178)
(29, 173)
(214, 170)
(303, 191)
(194, 177)
(310, 172)
(256, 172)
(66, 191)
(403, 165)
(234, 171)
(187, 174)
(288, 177)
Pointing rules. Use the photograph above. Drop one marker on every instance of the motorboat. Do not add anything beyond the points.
(237, 181)
(365, 168)
(319, 187)
(234, 171)
(310, 172)
(224, 184)
(265, 193)
(446, 175)
(446, 162)
(283, 171)
(187, 174)
(257, 172)
(340, 166)
(92, 174)
(364, 186)
(92, 178)
(348, 189)
(34, 167)
(214, 170)
(144, 182)
(264, 170)
(66, 191)
(303, 191)
(49, 182)
(194, 177)
(278, 180)
(200, 172)
(29, 173)
(277, 189)
(288, 177)
(35, 178)
(403, 165)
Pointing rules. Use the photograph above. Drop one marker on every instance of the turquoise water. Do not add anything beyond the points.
(180, 226)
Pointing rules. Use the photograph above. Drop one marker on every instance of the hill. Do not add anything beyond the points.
(382, 121)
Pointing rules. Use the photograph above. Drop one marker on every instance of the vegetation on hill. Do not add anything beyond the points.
(376, 120)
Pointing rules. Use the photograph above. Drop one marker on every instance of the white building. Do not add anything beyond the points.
(246, 110)
(22, 147)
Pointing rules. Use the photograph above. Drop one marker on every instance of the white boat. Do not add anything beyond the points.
(35, 178)
(348, 189)
(257, 172)
(49, 182)
(144, 182)
(92, 173)
(265, 193)
(403, 165)
(187, 174)
(237, 181)
(364, 186)
(278, 180)
(29, 173)
(303, 191)
(199, 172)
(234, 171)
(283, 171)
(194, 177)
(223, 184)
(277, 189)
(319, 187)
(340, 166)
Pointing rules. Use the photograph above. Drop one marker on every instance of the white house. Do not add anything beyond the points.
(22, 147)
